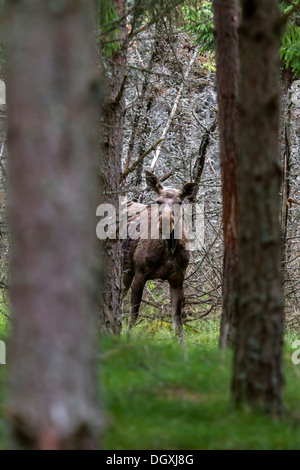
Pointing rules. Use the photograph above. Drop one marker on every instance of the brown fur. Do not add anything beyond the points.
(165, 259)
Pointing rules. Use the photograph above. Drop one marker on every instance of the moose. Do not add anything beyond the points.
(165, 257)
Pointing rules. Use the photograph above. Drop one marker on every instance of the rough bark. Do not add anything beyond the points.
(285, 187)
(52, 114)
(226, 15)
(257, 374)
(112, 129)
(285, 145)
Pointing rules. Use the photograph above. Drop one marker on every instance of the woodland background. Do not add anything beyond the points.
(158, 63)
(158, 57)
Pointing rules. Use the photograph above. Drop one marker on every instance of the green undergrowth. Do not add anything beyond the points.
(203, 333)
(157, 394)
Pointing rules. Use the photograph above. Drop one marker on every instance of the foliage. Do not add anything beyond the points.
(157, 10)
(137, 13)
(290, 39)
(290, 47)
(108, 23)
(287, 5)
(199, 22)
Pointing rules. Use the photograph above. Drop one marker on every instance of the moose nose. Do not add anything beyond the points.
(166, 223)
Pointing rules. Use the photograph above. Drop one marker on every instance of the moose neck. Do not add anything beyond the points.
(172, 243)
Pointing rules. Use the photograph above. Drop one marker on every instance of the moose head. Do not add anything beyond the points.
(169, 201)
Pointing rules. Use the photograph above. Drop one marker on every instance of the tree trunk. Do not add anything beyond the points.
(285, 187)
(285, 141)
(257, 373)
(112, 129)
(226, 15)
(52, 114)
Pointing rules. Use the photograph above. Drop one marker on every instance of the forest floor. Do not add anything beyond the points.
(158, 396)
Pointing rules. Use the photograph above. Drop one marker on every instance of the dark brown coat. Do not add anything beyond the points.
(162, 258)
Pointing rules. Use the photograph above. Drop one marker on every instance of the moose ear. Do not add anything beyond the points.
(153, 182)
(189, 191)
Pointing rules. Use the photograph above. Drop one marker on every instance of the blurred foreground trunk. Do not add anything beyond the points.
(52, 122)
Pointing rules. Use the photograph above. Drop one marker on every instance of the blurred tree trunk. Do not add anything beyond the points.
(112, 130)
(257, 373)
(226, 15)
(52, 122)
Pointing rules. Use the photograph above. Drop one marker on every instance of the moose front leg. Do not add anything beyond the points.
(136, 298)
(127, 281)
(176, 294)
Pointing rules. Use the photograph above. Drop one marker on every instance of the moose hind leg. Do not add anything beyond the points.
(136, 298)
(176, 294)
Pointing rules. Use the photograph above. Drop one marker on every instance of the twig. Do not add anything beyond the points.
(174, 109)
(166, 176)
(141, 158)
(293, 201)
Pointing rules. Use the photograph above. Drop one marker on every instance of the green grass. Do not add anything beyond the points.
(203, 333)
(157, 395)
